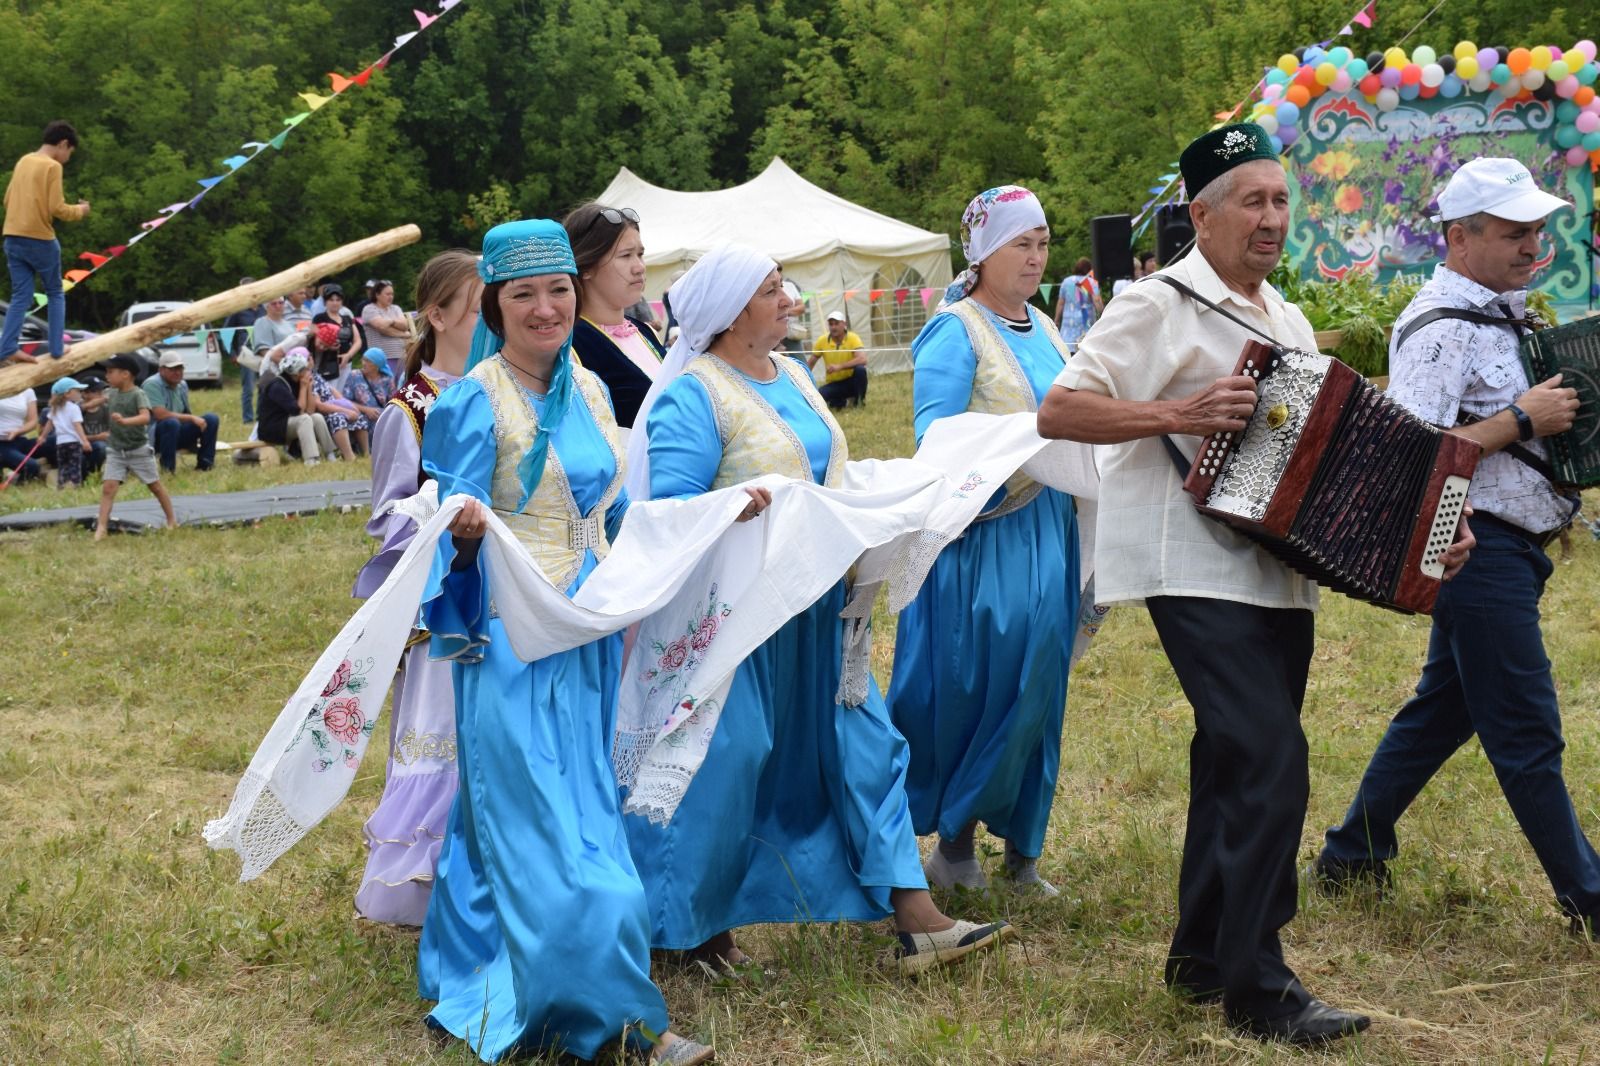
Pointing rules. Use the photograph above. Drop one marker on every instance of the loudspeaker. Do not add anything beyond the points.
(1111, 248)
(1173, 231)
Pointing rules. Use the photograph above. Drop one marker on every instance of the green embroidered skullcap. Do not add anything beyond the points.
(1213, 154)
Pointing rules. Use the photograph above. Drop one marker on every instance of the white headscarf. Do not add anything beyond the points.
(705, 302)
(994, 218)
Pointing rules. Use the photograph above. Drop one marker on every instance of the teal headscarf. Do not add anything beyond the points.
(523, 250)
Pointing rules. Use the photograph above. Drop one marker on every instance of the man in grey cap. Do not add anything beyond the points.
(175, 425)
(1454, 362)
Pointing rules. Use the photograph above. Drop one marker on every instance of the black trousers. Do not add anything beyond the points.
(1243, 669)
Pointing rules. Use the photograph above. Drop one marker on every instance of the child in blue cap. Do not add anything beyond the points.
(66, 418)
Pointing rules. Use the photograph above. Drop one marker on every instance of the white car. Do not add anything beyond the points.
(201, 365)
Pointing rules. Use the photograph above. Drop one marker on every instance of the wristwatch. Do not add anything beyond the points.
(1524, 423)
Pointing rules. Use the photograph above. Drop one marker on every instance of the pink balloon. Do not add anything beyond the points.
(1567, 87)
(1587, 48)
(1272, 92)
(1587, 122)
(1555, 53)
(1341, 81)
(1576, 156)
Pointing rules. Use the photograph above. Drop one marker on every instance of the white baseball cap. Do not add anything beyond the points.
(1500, 187)
(170, 360)
(836, 316)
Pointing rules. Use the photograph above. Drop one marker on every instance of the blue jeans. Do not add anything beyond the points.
(13, 455)
(172, 434)
(25, 257)
(247, 393)
(1486, 673)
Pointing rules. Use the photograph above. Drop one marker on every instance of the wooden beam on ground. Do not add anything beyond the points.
(18, 377)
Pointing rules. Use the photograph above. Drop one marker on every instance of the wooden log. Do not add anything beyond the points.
(16, 378)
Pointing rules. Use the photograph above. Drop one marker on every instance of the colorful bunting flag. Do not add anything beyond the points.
(872, 296)
(900, 296)
(313, 101)
(927, 294)
(39, 299)
(1044, 291)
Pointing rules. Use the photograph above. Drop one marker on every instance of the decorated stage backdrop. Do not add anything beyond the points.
(1365, 181)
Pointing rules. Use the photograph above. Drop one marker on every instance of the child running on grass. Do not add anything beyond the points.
(129, 450)
(71, 442)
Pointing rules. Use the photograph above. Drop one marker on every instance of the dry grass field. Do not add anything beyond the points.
(139, 675)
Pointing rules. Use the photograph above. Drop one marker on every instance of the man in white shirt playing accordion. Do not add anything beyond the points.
(1454, 360)
(1236, 623)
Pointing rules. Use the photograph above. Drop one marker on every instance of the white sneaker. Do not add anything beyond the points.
(1026, 880)
(313, 462)
(967, 874)
(923, 951)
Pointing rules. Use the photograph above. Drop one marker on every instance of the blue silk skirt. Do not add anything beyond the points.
(798, 813)
(980, 674)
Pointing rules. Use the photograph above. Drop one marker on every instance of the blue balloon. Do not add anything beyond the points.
(1450, 87)
(1276, 77)
(1357, 69)
(1500, 74)
(1339, 56)
(1587, 73)
(1277, 145)
(1288, 114)
(1313, 56)
(1410, 92)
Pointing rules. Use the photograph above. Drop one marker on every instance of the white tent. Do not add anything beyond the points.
(839, 252)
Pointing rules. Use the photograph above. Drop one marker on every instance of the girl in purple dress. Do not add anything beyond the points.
(407, 828)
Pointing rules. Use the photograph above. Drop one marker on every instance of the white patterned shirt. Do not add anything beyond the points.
(1450, 366)
(1155, 343)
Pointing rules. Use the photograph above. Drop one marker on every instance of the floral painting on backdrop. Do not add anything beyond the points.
(1364, 183)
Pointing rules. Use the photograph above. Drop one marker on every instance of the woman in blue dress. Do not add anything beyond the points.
(798, 813)
(537, 934)
(981, 655)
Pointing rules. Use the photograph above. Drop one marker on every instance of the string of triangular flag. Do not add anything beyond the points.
(312, 101)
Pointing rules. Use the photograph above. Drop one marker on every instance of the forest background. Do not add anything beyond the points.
(520, 108)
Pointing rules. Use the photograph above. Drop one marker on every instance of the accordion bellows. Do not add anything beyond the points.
(1573, 351)
(1339, 482)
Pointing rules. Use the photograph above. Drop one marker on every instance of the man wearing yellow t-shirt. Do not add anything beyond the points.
(33, 202)
(841, 349)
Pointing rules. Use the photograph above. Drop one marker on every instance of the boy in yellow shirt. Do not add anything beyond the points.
(33, 202)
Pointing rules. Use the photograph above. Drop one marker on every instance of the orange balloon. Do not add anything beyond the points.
(1583, 96)
(1519, 61)
(1300, 96)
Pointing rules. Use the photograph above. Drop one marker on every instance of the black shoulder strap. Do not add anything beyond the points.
(1223, 311)
(1178, 459)
(1427, 318)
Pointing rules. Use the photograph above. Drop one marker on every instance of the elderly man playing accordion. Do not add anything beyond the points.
(1454, 362)
(1236, 624)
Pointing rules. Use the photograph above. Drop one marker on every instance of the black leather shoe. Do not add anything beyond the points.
(1336, 877)
(1315, 1023)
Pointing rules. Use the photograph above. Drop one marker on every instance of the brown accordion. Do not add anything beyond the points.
(1342, 484)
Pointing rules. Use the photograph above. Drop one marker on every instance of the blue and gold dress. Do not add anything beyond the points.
(537, 935)
(981, 655)
(799, 811)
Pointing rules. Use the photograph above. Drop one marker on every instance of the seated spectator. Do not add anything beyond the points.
(387, 326)
(176, 426)
(285, 408)
(371, 386)
(842, 351)
(347, 425)
(19, 416)
(96, 422)
(128, 451)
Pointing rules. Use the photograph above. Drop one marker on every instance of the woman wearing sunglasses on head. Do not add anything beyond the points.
(621, 350)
